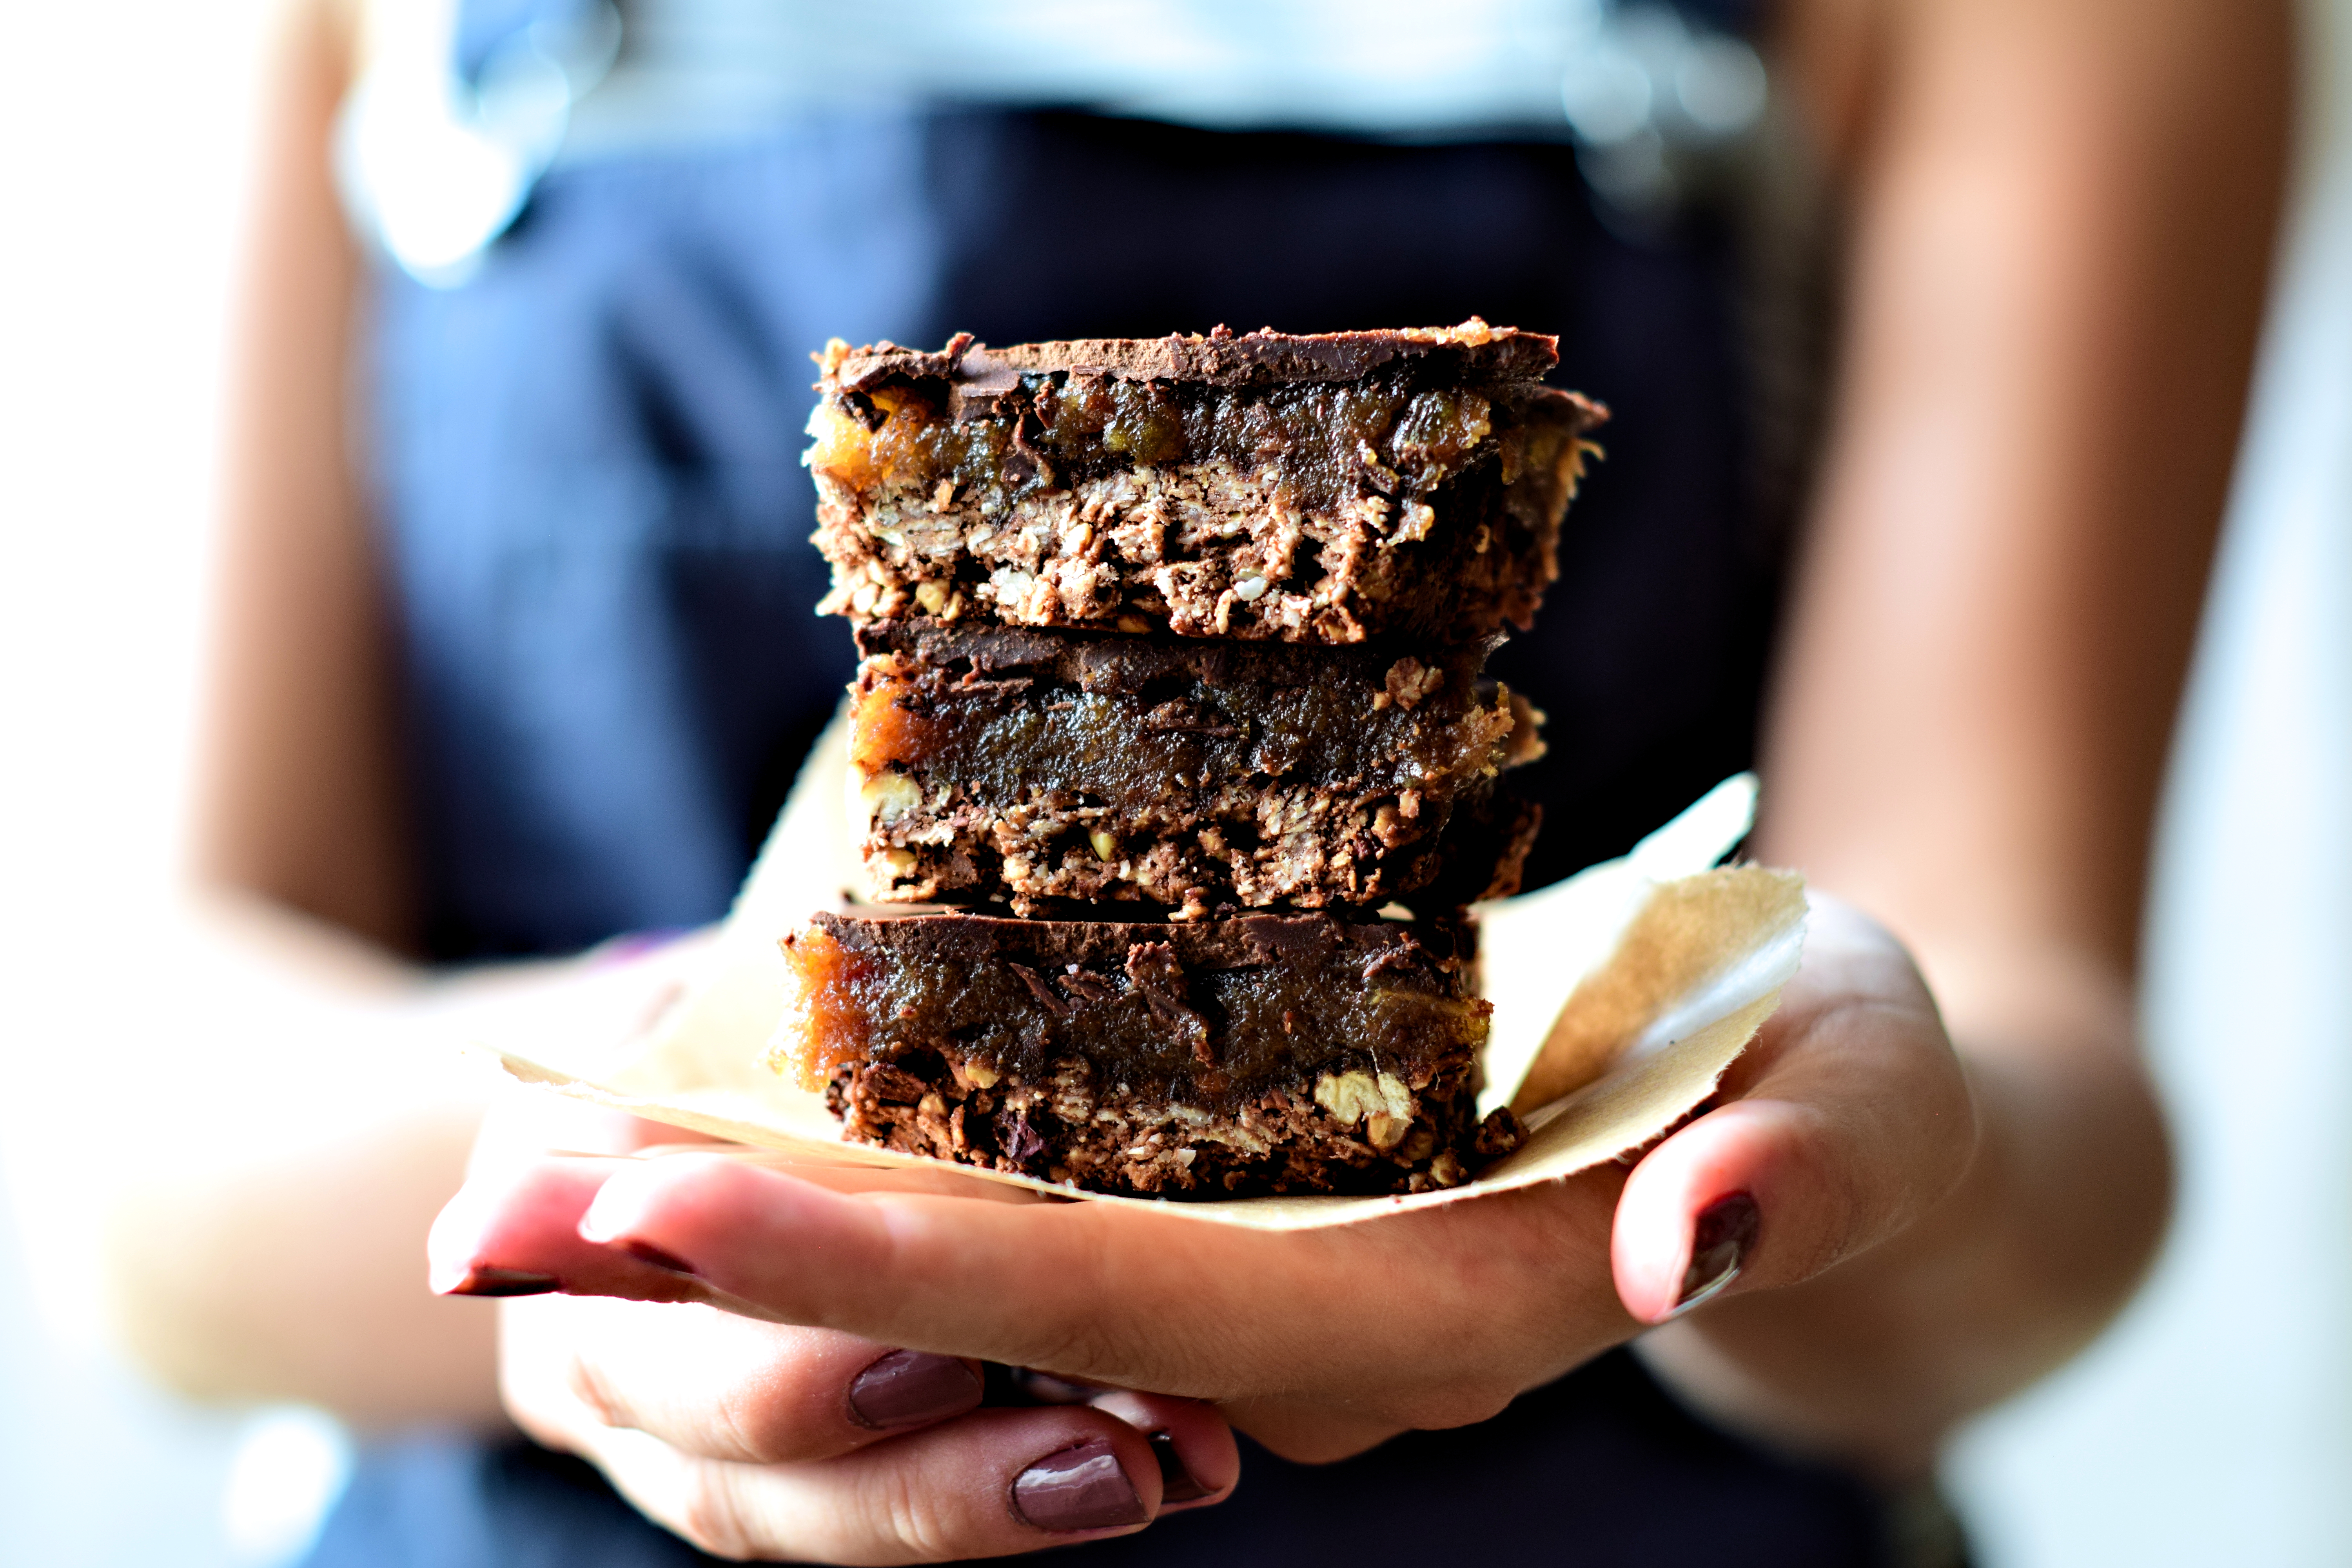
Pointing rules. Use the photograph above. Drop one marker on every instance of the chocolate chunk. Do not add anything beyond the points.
(1020, 1143)
(1499, 1134)
(1046, 996)
(1404, 955)
(1184, 716)
(1087, 985)
(1152, 966)
(890, 1083)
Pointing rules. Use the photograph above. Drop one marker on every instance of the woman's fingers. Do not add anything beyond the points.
(1191, 1442)
(1401, 1323)
(985, 1484)
(1443, 1314)
(723, 1386)
(1044, 1286)
(514, 1230)
(1847, 1120)
(996, 1483)
(714, 1384)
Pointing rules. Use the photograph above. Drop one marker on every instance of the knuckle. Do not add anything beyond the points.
(588, 1384)
(709, 1515)
(1175, 1355)
(1077, 1338)
(897, 1509)
(1076, 1348)
(749, 1425)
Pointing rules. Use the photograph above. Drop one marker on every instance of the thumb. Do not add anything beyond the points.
(1851, 1117)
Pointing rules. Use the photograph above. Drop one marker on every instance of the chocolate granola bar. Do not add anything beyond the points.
(998, 761)
(1221, 1058)
(1324, 488)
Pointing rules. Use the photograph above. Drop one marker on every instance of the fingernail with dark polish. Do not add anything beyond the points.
(1078, 1488)
(486, 1281)
(1721, 1238)
(646, 1252)
(908, 1387)
(1176, 1482)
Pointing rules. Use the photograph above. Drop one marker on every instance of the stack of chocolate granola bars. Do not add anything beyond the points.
(1171, 672)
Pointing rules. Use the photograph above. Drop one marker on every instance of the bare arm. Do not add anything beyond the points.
(271, 1246)
(2065, 227)
(298, 796)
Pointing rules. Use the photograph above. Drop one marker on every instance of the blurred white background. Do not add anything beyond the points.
(2214, 1425)
(125, 127)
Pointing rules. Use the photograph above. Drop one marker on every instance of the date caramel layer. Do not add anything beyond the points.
(997, 761)
(1260, 1053)
(1306, 489)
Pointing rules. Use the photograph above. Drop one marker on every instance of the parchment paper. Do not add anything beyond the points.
(1620, 995)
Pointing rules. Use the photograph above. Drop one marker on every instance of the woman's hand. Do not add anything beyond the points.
(754, 1438)
(1846, 1120)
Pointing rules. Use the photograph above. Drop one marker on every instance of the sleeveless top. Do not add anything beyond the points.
(585, 459)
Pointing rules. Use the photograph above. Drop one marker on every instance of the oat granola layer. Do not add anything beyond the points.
(996, 761)
(1260, 1053)
(1323, 488)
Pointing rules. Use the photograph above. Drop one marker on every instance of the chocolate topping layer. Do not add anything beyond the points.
(1471, 351)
